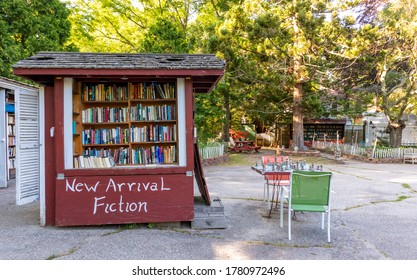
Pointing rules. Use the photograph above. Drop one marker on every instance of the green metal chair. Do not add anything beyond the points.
(309, 192)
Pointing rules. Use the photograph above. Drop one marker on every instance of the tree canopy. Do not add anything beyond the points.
(27, 27)
(286, 60)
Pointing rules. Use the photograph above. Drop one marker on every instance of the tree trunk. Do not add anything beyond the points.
(297, 118)
(395, 130)
(297, 114)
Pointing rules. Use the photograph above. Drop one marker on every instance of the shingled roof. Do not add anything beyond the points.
(206, 69)
(59, 60)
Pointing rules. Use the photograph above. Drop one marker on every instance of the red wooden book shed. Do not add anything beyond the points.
(160, 191)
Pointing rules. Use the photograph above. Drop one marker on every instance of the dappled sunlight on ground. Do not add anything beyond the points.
(405, 179)
(231, 251)
(250, 158)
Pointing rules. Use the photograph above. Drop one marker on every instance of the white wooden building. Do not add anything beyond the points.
(21, 139)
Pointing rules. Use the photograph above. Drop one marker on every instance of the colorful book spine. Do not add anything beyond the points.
(154, 155)
(105, 136)
(104, 92)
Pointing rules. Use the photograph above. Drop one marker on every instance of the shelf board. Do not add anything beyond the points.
(157, 121)
(106, 145)
(159, 100)
(151, 143)
(105, 102)
(106, 123)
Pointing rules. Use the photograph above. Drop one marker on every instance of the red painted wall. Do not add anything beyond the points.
(116, 195)
(49, 156)
(124, 199)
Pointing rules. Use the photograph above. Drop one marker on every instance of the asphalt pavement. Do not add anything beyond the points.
(374, 217)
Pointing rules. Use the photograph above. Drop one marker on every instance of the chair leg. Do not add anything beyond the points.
(322, 220)
(328, 226)
(267, 194)
(281, 210)
(289, 223)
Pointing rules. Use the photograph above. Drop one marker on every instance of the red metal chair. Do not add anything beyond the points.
(274, 181)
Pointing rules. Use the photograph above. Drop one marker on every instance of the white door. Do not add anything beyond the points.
(28, 146)
(3, 139)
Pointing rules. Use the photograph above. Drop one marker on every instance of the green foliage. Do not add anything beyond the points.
(391, 55)
(106, 26)
(271, 48)
(27, 27)
(131, 26)
(209, 115)
(163, 36)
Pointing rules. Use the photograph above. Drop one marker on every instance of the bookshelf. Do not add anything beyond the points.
(124, 123)
(11, 135)
(323, 131)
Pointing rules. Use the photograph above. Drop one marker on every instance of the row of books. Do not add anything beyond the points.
(93, 152)
(106, 158)
(115, 156)
(11, 151)
(104, 92)
(154, 155)
(12, 140)
(120, 91)
(153, 133)
(12, 163)
(137, 113)
(93, 162)
(152, 90)
(104, 115)
(152, 113)
(11, 130)
(105, 136)
(118, 135)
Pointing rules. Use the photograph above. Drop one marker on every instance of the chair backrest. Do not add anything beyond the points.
(271, 159)
(282, 177)
(311, 187)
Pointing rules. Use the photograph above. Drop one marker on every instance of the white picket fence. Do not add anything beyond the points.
(212, 151)
(370, 152)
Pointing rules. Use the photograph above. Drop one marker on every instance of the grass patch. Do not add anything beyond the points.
(241, 159)
(399, 199)
(286, 245)
(249, 159)
(408, 187)
(121, 229)
(244, 198)
(70, 252)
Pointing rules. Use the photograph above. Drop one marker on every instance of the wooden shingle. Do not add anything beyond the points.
(205, 70)
(74, 60)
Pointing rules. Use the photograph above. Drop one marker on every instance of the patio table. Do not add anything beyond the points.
(275, 177)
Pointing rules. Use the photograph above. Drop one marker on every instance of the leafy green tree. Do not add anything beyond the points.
(216, 112)
(286, 60)
(287, 49)
(27, 27)
(131, 26)
(164, 36)
(392, 53)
